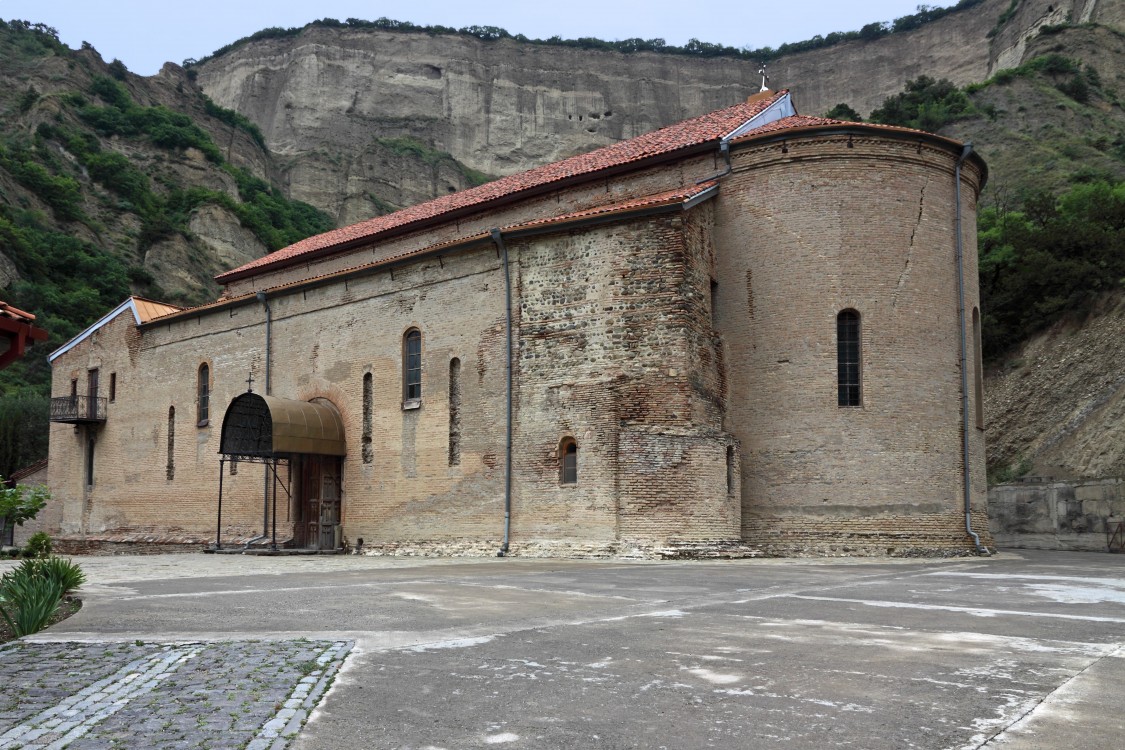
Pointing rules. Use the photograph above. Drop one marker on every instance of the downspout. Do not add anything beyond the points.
(498, 240)
(965, 428)
(261, 297)
(724, 149)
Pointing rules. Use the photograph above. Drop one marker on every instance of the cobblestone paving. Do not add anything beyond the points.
(98, 696)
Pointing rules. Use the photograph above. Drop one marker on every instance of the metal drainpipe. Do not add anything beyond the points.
(261, 297)
(724, 149)
(965, 428)
(498, 240)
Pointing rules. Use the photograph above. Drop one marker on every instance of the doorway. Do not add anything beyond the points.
(318, 503)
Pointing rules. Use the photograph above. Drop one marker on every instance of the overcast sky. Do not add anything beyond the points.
(146, 33)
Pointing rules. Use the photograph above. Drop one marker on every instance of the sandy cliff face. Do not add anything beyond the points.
(325, 96)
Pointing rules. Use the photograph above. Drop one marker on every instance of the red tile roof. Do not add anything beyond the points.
(15, 313)
(677, 196)
(683, 135)
(808, 122)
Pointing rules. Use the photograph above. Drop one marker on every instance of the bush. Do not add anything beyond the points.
(926, 104)
(38, 546)
(67, 573)
(31, 592)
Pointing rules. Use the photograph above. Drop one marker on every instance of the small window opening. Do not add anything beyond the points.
(171, 468)
(568, 461)
(90, 461)
(412, 367)
(455, 412)
(848, 358)
(204, 401)
(730, 469)
(714, 303)
(112, 387)
(367, 448)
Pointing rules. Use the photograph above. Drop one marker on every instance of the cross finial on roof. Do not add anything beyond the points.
(250, 383)
(765, 78)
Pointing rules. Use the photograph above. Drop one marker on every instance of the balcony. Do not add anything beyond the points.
(78, 409)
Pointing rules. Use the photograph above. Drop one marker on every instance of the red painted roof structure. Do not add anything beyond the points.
(16, 326)
(683, 136)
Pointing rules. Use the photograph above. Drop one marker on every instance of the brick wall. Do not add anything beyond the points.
(806, 228)
(690, 356)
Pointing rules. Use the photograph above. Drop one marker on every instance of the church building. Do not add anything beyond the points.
(750, 330)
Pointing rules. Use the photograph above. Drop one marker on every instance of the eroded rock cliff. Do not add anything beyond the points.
(325, 97)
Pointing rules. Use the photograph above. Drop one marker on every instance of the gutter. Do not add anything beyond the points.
(457, 213)
(498, 240)
(445, 249)
(965, 428)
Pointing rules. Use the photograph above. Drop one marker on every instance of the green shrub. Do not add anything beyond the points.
(925, 104)
(38, 546)
(28, 599)
(59, 569)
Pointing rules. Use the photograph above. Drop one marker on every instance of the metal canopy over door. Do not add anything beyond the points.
(301, 435)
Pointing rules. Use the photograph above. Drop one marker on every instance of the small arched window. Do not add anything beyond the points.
(170, 468)
(367, 449)
(412, 367)
(203, 402)
(848, 358)
(568, 461)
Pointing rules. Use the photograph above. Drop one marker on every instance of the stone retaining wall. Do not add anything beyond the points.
(1070, 515)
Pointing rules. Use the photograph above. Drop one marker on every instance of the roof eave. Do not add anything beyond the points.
(442, 249)
(454, 214)
(859, 128)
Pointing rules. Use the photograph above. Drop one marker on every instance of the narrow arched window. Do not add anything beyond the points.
(368, 449)
(568, 461)
(412, 367)
(455, 412)
(171, 468)
(203, 402)
(978, 370)
(847, 358)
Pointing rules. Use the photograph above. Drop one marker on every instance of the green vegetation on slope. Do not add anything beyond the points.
(1054, 256)
(96, 184)
(1051, 234)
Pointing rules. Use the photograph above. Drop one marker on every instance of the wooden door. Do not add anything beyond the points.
(319, 503)
(92, 394)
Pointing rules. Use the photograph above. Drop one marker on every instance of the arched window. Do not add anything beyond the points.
(455, 412)
(171, 468)
(368, 449)
(568, 461)
(203, 402)
(412, 367)
(847, 358)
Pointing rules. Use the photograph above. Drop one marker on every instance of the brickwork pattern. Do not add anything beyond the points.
(806, 228)
(691, 356)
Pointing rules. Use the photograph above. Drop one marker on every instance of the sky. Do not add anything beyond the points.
(144, 34)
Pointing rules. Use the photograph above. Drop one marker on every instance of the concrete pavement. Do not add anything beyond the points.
(1025, 650)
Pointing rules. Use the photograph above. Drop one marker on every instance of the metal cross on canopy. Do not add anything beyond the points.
(250, 383)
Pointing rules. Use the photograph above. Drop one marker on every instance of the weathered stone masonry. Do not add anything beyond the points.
(674, 320)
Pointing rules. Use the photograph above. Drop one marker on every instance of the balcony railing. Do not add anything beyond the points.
(78, 409)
